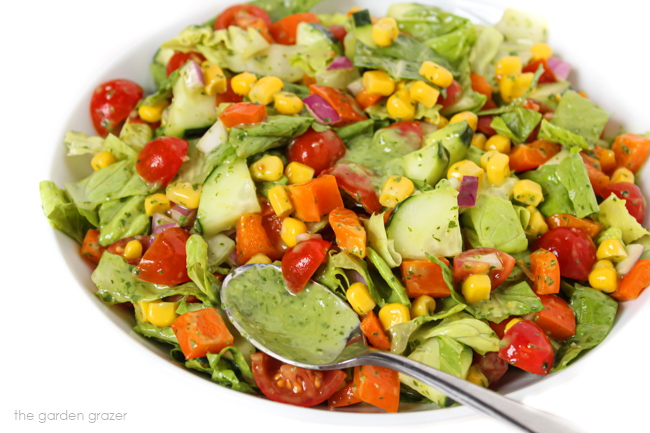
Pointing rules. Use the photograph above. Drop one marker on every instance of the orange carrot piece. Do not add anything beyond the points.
(374, 332)
(378, 386)
(251, 238)
(243, 113)
(631, 151)
(607, 159)
(350, 234)
(346, 396)
(422, 277)
(589, 227)
(90, 248)
(365, 99)
(201, 332)
(634, 282)
(546, 272)
(318, 197)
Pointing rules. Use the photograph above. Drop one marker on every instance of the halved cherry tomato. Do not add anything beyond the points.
(111, 104)
(483, 125)
(483, 261)
(408, 131)
(557, 318)
(422, 277)
(246, 20)
(339, 33)
(634, 200)
(164, 261)
(357, 182)
(319, 150)
(243, 113)
(548, 76)
(228, 16)
(526, 346)
(575, 251)
(117, 247)
(453, 93)
(229, 95)
(284, 30)
(160, 159)
(492, 366)
(301, 261)
(294, 385)
(90, 248)
(179, 59)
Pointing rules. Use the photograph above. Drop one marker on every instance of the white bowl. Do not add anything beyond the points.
(591, 73)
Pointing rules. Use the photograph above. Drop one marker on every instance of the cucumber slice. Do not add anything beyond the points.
(428, 164)
(455, 137)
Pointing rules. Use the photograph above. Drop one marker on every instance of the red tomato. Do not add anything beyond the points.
(301, 261)
(229, 95)
(526, 346)
(557, 318)
(294, 385)
(117, 247)
(453, 93)
(164, 261)
(548, 76)
(179, 59)
(410, 131)
(483, 126)
(574, 249)
(111, 104)
(483, 261)
(284, 30)
(160, 159)
(319, 150)
(634, 200)
(228, 16)
(357, 182)
(492, 366)
(339, 32)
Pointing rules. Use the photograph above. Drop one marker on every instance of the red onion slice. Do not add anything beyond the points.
(341, 62)
(560, 68)
(161, 222)
(468, 191)
(322, 111)
(192, 74)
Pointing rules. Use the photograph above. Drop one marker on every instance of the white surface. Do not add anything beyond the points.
(62, 354)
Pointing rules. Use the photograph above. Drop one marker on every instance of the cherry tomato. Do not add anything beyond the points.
(228, 16)
(111, 104)
(160, 159)
(117, 247)
(557, 318)
(575, 251)
(526, 346)
(164, 261)
(483, 126)
(410, 132)
(319, 150)
(492, 366)
(357, 182)
(484, 261)
(453, 93)
(229, 95)
(339, 32)
(301, 261)
(179, 59)
(548, 76)
(294, 385)
(634, 200)
(284, 30)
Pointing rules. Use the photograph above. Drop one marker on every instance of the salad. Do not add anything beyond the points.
(442, 177)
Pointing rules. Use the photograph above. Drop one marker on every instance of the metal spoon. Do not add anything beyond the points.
(353, 351)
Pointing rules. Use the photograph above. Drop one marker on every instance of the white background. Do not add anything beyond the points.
(60, 352)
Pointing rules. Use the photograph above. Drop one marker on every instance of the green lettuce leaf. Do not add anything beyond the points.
(279, 9)
(557, 134)
(465, 329)
(556, 196)
(122, 218)
(515, 300)
(572, 174)
(398, 293)
(613, 213)
(580, 116)
(378, 240)
(516, 124)
(62, 213)
(198, 269)
(274, 132)
(425, 22)
(79, 143)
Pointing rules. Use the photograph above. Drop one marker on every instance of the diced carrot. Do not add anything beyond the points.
(345, 396)
(422, 277)
(308, 80)
(546, 272)
(318, 197)
(634, 282)
(365, 99)
(243, 113)
(90, 248)
(607, 159)
(251, 239)
(201, 332)
(378, 386)
(374, 332)
(481, 85)
(631, 151)
(557, 318)
(597, 178)
(342, 102)
(350, 234)
(529, 156)
(590, 227)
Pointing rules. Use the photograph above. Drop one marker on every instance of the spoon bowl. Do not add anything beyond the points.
(274, 320)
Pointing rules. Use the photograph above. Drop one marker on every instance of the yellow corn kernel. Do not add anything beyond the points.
(297, 173)
(604, 279)
(622, 175)
(159, 313)
(478, 140)
(440, 121)
(156, 203)
(476, 376)
(471, 118)
(403, 84)
(392, 314)
(259, 258)
(485, 158)
(604, 264)
(243, 83)
(465, 168)
(537, 224)
(511, 323)
(498, 142)
(378, 83)
(541, 51)
(186, 194)
(611, 249)
(400, 106)
(133, 249)
(506, 66)
(287, 103)
(152, 113)
(385, 31)
(497, 168)
(101, 160)
(291, 228)
(267, 168)
(424, 94)
(280, 201)
(265, 89)
(215, 79)
(423, 306)
(476, 288)
(395, 190)
(437, 74)
(523, 82)
(359, 298)
(528, 192)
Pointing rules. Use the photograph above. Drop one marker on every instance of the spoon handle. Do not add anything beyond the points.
(489, 402)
